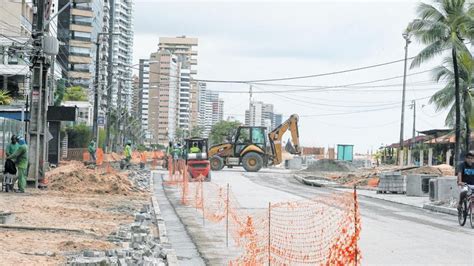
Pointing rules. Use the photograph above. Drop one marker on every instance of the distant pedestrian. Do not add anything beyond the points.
(20, 156)
(92, 150)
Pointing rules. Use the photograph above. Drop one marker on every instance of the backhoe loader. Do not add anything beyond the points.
(249, 148)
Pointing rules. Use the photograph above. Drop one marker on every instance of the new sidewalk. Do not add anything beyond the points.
(419, 202)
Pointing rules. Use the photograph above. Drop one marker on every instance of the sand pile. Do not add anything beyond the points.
(446, 169)
(74, 177)
(327, 165)
(428, 170)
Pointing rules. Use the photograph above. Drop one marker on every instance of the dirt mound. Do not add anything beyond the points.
(327, 165)
(74, 177)
(446, 169)
(429, 170)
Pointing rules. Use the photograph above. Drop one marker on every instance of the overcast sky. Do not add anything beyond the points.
(242, 40)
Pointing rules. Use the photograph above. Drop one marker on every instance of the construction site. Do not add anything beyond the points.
(252, 201)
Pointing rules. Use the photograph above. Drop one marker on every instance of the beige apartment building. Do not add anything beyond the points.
(163, 96)
(185, 50)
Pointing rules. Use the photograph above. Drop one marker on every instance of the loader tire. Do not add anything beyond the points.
(252, 162)
(217, 163)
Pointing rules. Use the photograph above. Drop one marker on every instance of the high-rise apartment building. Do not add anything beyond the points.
(184, 108)
(184, 48)
(78, 26)
(163, 96)
(143, 94)
(15, 29)
(122, 53)
(262, 114)
(211, 109)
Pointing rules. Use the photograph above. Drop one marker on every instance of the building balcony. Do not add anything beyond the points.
(80, 59)
(81, 28)
(82, 11)
(79, 75)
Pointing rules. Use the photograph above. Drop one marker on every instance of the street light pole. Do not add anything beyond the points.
(406, 36)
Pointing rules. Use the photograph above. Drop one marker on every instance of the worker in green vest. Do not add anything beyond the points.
(194, 148)
(92, 150)
(20, 156)
(127, 152)
(13, 146)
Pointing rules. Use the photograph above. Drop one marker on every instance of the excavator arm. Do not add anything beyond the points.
(276, 136)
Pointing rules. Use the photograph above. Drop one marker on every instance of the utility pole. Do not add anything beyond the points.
(110, 68)
(414, 121)
(117, 136)
(406, 36)
(95, 126)
(38, 97)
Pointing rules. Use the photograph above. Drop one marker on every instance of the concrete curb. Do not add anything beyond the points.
(441, 209)
(171, 257)
(426, 206)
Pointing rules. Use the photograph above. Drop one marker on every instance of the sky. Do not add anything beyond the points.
(249, 40)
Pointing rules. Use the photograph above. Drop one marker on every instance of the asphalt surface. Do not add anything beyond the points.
(391, 233)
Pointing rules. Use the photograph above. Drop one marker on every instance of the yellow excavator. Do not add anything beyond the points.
(249, 147)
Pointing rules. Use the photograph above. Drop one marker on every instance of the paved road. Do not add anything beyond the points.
(391, 233)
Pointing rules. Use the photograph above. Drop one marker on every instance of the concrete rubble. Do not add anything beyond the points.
(140, 179)
(139, 245)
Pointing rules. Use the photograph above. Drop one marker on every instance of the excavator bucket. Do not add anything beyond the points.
(290, 148)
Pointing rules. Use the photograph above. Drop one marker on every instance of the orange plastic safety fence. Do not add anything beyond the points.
(323, 230)
(85, 156)
(99, 156)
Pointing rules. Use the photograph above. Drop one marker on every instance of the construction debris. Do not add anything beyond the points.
(76, 178)
(140, 246)
(328, 165)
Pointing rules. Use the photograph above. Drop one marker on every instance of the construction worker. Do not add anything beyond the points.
(21, 158)
(194, 148)
(13, 146)
(127, 152)
(91, 148)
(177, 151)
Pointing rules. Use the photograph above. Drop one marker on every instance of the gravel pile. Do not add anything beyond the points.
(139, 246)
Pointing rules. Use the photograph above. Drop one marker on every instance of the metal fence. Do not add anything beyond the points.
(75, 154)
(8, 127)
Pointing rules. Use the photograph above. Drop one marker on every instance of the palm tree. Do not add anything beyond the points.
(5, 98)
(444, 98)
(443, 26)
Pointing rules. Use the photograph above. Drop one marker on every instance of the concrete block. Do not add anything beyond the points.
(445, 188)
(392, 182)
(295, 163)
(418, 185)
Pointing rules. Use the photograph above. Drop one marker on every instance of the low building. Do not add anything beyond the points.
(84, 111)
